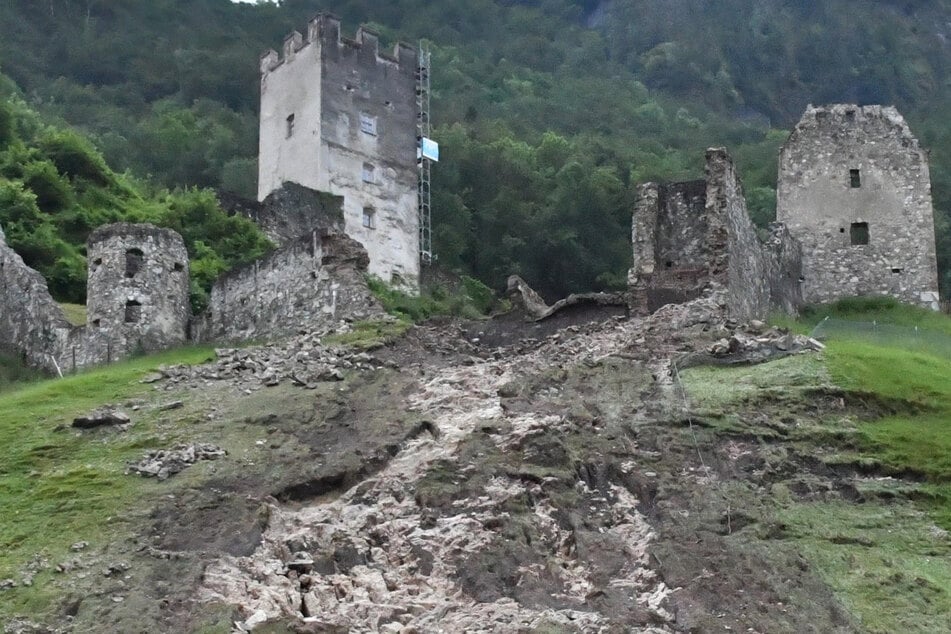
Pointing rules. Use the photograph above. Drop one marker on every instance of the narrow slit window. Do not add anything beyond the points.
(859, 233)
(368, 172)
(369, 218)
(134, 259)
(133, 312)
(855, 179)
(290, 125)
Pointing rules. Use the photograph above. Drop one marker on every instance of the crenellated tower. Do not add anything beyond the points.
(339, 116)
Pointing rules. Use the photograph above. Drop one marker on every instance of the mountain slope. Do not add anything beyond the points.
(626, 90)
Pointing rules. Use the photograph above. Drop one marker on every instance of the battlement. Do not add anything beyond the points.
(852, 117)
(324, 29)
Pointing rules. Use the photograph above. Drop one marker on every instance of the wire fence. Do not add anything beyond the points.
(908, 337)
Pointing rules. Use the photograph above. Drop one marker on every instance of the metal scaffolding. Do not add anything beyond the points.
(423, 163)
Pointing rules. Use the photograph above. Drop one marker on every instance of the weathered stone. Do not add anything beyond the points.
(855, 189)
(692, 238)
(312, 282)
(339, 116)
(163, 463)
(101, 418)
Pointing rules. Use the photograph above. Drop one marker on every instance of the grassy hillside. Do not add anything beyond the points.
(885, 556)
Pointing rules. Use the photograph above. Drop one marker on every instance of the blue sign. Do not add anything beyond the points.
(430, 149)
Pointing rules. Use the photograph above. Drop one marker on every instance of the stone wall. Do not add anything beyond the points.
(338, 115)
(138, 287)
(315, 280)
(154, 297)
(689, 238)
(288, 212)
(855, 190)
(32, 326)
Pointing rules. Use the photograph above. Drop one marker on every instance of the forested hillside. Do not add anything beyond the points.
(549, 111)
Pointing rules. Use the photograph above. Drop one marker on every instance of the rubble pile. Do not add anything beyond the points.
(304, 360)
(374, 559)
(162, 463)
(755, 342)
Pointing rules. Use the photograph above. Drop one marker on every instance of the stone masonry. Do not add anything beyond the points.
(315, 280)
(339, 116)
(855, 190)
(288, 212)
(690, 238)
(137, 301)
(138, 287)
(32, 325)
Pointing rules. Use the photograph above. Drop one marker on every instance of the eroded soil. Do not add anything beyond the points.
(490, 477)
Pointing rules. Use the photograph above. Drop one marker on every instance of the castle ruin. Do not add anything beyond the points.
(855, 189)
(137, 301)
(339, 116)
(693, 237)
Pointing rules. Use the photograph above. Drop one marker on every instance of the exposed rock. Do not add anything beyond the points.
(524, 298)
(163, 463)
(102, 417)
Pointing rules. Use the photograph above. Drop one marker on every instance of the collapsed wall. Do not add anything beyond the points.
(316, 280)
(690, 238)
(288, 212)
(32, 325)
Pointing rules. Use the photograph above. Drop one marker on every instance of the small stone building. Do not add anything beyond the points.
(855, 190)
(137, 288)
(695, 237)
(339, 116)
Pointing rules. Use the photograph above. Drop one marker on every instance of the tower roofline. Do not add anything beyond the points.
(324, 28)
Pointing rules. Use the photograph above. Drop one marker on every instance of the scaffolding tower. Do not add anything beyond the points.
(423, 163)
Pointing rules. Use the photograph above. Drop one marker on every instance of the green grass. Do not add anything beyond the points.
(472, 300)
(915, 441)
(58, 485)
(878, 309)
(14, 373)
(712, 388)
(366, 335)
(75, 313)
(887, 563)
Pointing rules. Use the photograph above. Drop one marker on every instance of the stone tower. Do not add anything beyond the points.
(137, 294)
(339, 116)
(855, 189)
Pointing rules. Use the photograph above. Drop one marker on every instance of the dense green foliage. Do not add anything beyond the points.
(550, 111)
(55, 188)
(472, 300)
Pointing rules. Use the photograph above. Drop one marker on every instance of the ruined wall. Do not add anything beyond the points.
(32, 325)
(783, 269)
(339, 116)
(855, 190)
(138, 286)
(737, 257)
(689, 238)
(288, 212)
(315, 280)
(669, 237)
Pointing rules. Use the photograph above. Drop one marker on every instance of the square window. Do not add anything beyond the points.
(369, 218)
(855, 178)
(367, 124)
(368, 173)
(859, 233)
